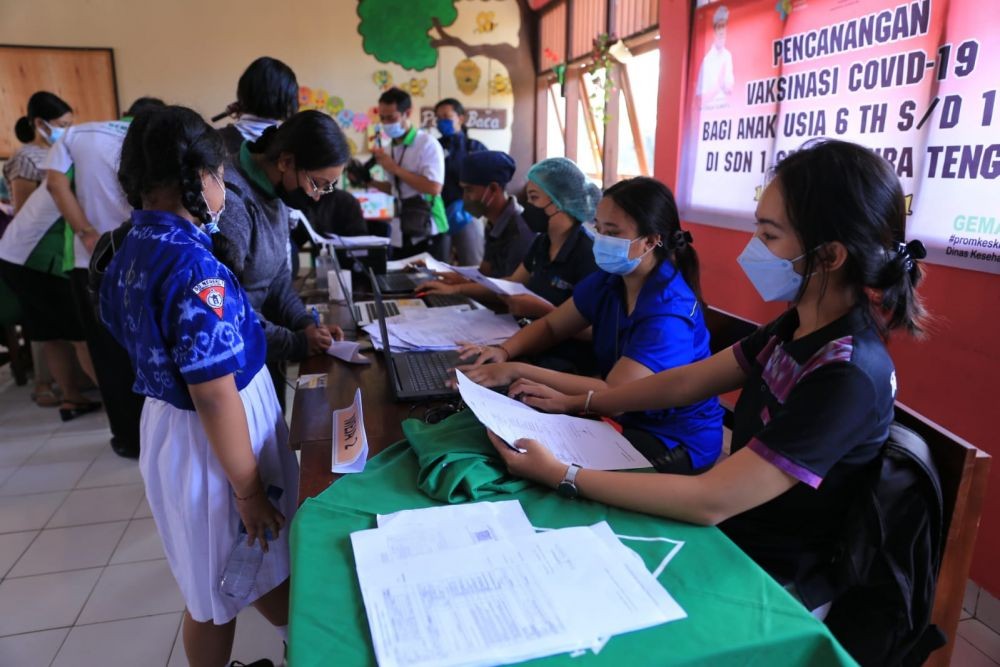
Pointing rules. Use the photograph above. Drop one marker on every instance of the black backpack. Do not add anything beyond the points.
(104, 251)
(890, 557)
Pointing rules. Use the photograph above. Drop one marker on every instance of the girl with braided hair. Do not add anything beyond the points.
(644, 304)
(214, 443)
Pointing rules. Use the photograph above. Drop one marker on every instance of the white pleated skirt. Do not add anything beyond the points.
(193, 505)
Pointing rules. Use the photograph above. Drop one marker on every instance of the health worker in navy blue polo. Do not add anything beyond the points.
(646, 317)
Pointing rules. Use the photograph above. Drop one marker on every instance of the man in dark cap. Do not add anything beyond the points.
(484, 177)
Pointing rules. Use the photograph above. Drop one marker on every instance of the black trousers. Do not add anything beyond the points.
(676, 461)
(114, 371)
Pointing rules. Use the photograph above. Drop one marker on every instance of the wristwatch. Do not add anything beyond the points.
(567, 487)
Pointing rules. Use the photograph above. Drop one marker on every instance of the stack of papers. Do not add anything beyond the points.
(495, 285)
(443, 329)
(585, 442)
(425, 258)
(337, 241)
(474, 584)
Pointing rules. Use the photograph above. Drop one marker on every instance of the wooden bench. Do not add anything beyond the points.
(963, 470)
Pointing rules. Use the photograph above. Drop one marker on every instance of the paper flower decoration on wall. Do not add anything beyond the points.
(383, 79)
(305, 97)
(467, 75)
(334, 105)
(320, 98)
(345, 118)
(360, 122)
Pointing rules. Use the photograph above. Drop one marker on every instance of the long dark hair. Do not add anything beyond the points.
(651, 204)
(170, 147)
(268, 88)
(314, 138)
(839, 191)
(459, 109)
(44, 105)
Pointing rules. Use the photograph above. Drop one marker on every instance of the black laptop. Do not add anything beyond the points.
(414, 376)
(403, 282)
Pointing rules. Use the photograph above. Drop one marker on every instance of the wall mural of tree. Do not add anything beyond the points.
(409, 33)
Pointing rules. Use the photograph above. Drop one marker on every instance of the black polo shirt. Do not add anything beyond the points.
(508, 240)
(554, 279)
(818, 408)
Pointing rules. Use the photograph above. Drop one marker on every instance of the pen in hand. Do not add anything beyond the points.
(315, 316)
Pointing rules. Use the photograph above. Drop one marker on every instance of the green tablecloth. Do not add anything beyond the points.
(737, 614)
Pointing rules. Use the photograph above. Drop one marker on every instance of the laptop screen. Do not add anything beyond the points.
(348, 297)
(384, 329)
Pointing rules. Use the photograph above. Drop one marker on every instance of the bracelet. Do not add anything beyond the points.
(86, 230)
(505, 351)
(586, 405)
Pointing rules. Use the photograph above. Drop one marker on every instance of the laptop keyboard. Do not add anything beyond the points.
(445, 300)
(390, 309)
(427, 371)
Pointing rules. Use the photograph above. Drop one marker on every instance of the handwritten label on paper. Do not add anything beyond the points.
(350, 443)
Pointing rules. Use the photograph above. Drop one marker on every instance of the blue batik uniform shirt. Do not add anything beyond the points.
(666, 329)
(179, 313)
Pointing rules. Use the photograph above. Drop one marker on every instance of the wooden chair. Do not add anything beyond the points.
(963, 470)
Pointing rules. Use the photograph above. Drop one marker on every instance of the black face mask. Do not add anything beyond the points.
(297, 198)
(537, 218)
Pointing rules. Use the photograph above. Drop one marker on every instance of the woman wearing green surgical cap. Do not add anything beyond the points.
(559, 258)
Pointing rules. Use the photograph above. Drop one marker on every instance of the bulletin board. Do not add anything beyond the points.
(84, 77)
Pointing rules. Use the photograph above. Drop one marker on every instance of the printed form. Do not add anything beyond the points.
(585, 442)
(474, 585)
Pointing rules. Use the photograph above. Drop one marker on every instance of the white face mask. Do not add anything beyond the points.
(774, 278)
(212, 226)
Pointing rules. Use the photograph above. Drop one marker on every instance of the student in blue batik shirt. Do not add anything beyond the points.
(645, 310)
(817, 383)
(213, 438)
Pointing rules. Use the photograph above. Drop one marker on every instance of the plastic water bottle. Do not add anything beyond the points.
(324, 264)
(244, 562)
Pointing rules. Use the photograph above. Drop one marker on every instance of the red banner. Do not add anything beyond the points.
(916, 81)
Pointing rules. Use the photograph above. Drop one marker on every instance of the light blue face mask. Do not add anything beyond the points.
(55, 133)
(212, 226)
(774, 278)
(611, 254)
(394, 130)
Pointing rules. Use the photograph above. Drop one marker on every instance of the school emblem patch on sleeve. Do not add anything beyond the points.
(213, 293)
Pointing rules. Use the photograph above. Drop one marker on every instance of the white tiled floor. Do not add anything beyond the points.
(83, 578)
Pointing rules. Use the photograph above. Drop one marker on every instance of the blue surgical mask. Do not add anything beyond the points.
(394, 130)
(55, 133)
(446, 126)
(611, 254)
(774, 278)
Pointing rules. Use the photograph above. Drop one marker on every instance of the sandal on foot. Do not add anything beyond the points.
(45, 398)
(79, 408)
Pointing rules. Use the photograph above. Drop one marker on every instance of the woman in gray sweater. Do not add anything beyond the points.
(300, 159)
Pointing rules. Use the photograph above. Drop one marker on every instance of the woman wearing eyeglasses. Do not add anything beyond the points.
(300, 159)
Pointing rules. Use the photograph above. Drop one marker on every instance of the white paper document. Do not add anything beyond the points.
(350, 442)
(444, 328)
(502, 600)
(495, 285)
(337, 241)
(585, 442)
(425, 258)
(347, 350)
